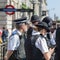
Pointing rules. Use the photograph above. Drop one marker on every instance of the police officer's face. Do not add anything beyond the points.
(43, 31)
(24, 27)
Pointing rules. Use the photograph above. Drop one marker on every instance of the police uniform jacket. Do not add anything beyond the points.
(15, 44)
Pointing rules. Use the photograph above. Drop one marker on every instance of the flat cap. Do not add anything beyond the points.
(21, 20)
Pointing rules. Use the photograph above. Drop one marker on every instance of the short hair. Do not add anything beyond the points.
(19, 25)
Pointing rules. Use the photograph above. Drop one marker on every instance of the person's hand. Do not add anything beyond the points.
(5, 58)
(51, 51)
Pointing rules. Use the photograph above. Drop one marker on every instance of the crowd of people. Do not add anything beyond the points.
(34, 40)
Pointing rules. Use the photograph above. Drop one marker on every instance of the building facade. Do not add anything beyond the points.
(40, 8)
(2, 14)
(6, 20)
(43, 8)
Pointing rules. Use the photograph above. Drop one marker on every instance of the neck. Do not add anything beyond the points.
(21, 30)
(42, 32)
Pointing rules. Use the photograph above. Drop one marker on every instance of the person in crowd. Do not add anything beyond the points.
(28, 48)
(15, 49)
(49, 21)
(4, 34)
(57, 50)
(39, 43)
(53, 32)
(56, 36)
(51, 37)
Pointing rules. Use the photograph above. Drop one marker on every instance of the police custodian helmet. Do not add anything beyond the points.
(35, 18)
(48, 20)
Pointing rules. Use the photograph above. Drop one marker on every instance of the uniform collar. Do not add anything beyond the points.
(35, 32)
(19, 32)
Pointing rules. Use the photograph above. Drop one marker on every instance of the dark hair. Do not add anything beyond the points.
(39, 28)
(18, 26)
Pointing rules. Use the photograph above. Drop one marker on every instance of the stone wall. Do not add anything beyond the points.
(2, 14)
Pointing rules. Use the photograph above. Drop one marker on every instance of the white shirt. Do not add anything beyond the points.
(40, 42)
(34, 32)
(14, 41)
(53, 36)
(42, 45)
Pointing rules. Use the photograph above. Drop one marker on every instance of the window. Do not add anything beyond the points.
(43, 13)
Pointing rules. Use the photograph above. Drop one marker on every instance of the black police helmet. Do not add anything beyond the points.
(48, 20)
(35, 18)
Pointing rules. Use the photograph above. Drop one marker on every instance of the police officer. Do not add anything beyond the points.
(40, 46)
(15, 49)
(49, 21)
(34, 20)
(28, 48)
(57, 51)
(51, 38)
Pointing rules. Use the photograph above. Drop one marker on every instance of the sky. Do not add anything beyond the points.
(53, 7)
